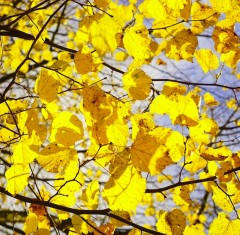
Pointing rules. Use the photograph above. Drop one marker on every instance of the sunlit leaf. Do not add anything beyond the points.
(206, 59)
(173, 222)
(217, 154)
(31, 223)
(137, 84)
(141, 122)
(90, 195)
(221, 198)
(125, 188)
(181, 109)
(17, 178)
(46, 86)
(55, 158)
(23, 153)
(84, 61)
(66, 129)
(182, 197)
(137, 42)
(149, 153)
(197, 229)
(222, 225)
(182, 45)
(203, 16)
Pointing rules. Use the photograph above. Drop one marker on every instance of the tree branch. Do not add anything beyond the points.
(105, 212)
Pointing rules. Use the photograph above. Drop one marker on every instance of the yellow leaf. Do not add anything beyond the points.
(197, 229)
(222, 225)
(175, 4)
(176, 145)
(135, 232)
(181, 109)
(206, 59)
(6, 135)
(141, 122)
(66, 129)
(137, 84)
(217, 154)
(203, 132)
(153, 9)
(172, 223)
(181, 197)
(123, 214)
(105, 116)
(210, 100)
(182, 45)
(55, 158)
(59, 65)
(36, 130)
(46, 86)
(90, 195)
(223, 5)
(15, 105)
(125, 189)
(225, 38)
(101, 3)
(121, 56)
(233, 190)
(31, 223)
(196, 163)
(23, 153)
(96, 26)
(137, 42)
(117, 133)
(203, 16)
(221, 199)
(171, 88)
(231, 58)
(84, 61)
(106, 229)
(64, 181)
(80, 225)
(17, 178)
(149, 153)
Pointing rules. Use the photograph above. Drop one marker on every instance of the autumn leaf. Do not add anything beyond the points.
(149, 153)
(210, 100)
(55, 158)
(137, 42)
(125, 189)
(66, 124)
(137, 84)
(90, 195)
(31, 223)
(85, 62)
(181, 109)
(221, 198)
(206, 59)
(17, 178)
(46, 86)
(222, 225)
(179, 48)
(23, 153)
(173, 222)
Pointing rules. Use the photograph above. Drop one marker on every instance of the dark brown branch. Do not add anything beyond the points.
(105, 212)
(196, 83)
(50, 43)
(178, 184)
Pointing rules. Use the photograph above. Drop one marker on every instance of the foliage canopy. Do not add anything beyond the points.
(92, 140)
